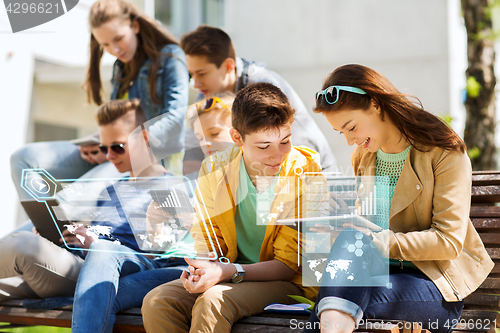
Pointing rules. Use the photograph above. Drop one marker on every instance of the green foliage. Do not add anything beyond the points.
(447, 119)
(473, 87)
(35, 329)
(489, 27)
(492, 13)
(474, 152)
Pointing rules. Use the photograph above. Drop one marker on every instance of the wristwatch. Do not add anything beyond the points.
(239, 275)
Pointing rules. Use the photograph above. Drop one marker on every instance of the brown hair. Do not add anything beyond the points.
(261, 106)
(151, 38)
(416, 124)
(113, 110)
(208, 41)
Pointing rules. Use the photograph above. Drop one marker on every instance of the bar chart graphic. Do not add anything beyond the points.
(171, 200)
(368, 203)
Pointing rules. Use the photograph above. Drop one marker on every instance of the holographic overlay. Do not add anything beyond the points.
(274, 202)
(101, 205)
(157, 142)
(336, 247)
(295, 198)
(168, 215)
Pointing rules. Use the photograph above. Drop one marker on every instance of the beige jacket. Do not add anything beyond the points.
(429, 221)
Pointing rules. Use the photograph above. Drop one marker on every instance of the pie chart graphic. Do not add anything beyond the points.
(40, 185)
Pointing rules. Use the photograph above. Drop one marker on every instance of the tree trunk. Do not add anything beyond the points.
(480, 122)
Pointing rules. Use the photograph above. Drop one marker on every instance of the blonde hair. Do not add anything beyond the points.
(194, 112)
(113, 110)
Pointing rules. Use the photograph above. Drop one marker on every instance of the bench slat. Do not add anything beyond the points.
(490, 239)
(492, 301)
(479, 316)
(493, 252)
(483, 179)
(131, 327)
(496, 268)
(489, 223)
(60, 318)
(11, 311)
(485, 194)
(491, 282)
(250, 328)
(484, 211)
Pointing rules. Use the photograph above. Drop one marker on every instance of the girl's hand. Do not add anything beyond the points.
(366, 231)
(337, 206)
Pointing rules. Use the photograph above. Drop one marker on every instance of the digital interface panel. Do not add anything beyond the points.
(159, 211)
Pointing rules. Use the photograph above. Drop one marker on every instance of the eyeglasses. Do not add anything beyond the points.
(118, 148)
(332, 93)
(209, 103)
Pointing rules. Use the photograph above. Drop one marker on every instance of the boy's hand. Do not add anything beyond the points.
(79, 236)
(205, 274)
(156, 217)
(92, 154)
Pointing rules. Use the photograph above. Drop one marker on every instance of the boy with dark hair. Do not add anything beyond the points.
(212, 63)
(258, 261)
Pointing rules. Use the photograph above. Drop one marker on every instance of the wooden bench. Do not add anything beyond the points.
(480, 308)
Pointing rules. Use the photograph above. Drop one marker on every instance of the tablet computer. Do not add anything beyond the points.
(336, 221)
(42, 219)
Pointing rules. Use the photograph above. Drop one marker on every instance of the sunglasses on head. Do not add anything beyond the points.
(118, 148)
(332, 93)
(208, 104)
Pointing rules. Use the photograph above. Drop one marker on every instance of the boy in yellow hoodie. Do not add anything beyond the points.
(256, 260)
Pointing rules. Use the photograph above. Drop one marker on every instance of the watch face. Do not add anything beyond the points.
(238, 278)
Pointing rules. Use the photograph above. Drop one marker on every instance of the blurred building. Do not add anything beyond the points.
(418, 44)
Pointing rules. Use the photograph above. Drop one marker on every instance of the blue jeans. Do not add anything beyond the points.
(412, 296)
(115, 280)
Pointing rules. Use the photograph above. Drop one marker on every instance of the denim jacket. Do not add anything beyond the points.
(166, 119)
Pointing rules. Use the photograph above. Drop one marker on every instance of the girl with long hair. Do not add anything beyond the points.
(150, 66)
(423, 179)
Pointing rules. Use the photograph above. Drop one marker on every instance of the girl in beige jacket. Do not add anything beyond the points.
(423, 173)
